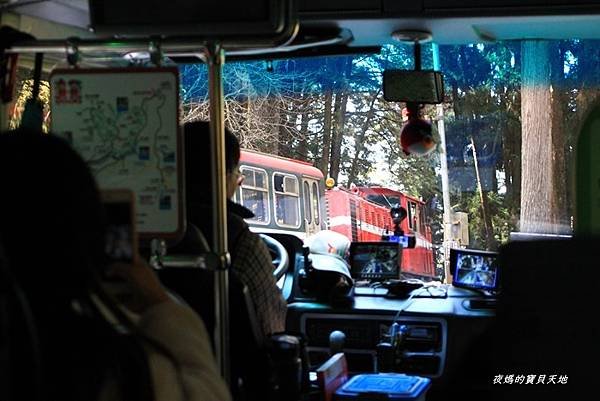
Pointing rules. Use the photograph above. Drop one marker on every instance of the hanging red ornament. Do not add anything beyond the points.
(416, 137)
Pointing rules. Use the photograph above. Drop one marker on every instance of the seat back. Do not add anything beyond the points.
(547, 320)
(274, 368)
(20, 359)
(249, 357)
(247, 349)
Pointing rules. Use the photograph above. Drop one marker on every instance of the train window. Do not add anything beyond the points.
(412, 216)
(287, 200)
(307, 208)
(384, 200)
(422, 219)
(315, 201)
(378, 199)
(255, 194)
(393, 200)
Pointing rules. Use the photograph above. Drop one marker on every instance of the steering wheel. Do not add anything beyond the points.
(281, 260)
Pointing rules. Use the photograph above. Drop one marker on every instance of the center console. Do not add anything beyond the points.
(423, 349)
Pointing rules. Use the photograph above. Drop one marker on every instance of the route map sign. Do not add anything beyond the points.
(124, 123)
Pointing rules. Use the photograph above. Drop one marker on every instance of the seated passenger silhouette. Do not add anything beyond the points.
(70, 340)
(250, 258)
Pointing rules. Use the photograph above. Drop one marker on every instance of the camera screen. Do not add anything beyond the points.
(375, 260)
(475, 269)
(119, 232)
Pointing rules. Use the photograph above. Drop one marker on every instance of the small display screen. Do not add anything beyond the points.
(119, 232)
(375, 260)
(474, 269)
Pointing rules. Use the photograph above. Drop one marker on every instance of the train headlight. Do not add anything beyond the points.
(398, 214)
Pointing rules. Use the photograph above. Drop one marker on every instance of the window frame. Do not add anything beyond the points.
(297, 195)
(307, 202)
(255, 188)
(316, 208)
(413, 225)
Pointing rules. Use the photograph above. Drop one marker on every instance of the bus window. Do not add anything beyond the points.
(315, 201)
(255, 194)
(287, 200)
(307, 209)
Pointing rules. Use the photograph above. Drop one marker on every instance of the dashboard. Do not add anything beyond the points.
(441, 325)
(439, 332)
(424, 349)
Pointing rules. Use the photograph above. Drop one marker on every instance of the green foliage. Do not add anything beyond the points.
(504, 220)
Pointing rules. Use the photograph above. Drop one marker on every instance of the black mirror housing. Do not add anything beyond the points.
(413, 86)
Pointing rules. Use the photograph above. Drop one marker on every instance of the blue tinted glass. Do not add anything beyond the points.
(330, 112)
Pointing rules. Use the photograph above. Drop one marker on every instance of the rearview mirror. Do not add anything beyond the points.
(413, 86)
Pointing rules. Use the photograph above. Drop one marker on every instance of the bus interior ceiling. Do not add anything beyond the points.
(370, 23)
(329, 28)
(335, 27)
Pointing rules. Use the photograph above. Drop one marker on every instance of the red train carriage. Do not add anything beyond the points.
(363, 214)
(285, 195)
(289, 196)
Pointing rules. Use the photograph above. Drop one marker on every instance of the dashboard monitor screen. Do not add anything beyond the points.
(474, 269)
(375, 260)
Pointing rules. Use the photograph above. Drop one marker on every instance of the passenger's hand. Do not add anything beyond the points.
(146, 289)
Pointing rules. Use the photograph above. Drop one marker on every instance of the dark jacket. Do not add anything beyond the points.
(201, 216)
(200, 228)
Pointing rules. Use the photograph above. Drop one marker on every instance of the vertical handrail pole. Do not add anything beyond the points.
(216, 59)
(444, 173)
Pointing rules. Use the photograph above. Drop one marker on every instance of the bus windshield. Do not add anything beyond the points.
(330, 113)
(395, 232)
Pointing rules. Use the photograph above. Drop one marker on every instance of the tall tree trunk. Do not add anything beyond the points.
(324, 163)
(507, 159)
(511, 155)
(341, 100)
(540, 208)
(302, 149)
(360, 138)
(517, 167)
(559, 142)
(455, 100)
(483, 199)
(285, 139)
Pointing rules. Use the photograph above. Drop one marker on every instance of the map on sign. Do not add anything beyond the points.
(124, 123)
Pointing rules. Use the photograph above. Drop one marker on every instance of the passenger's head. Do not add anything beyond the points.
(198, 162)
(52, 222)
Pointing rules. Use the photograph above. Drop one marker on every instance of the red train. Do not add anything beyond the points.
(289, 196)
(363, 214)
(286, 195)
